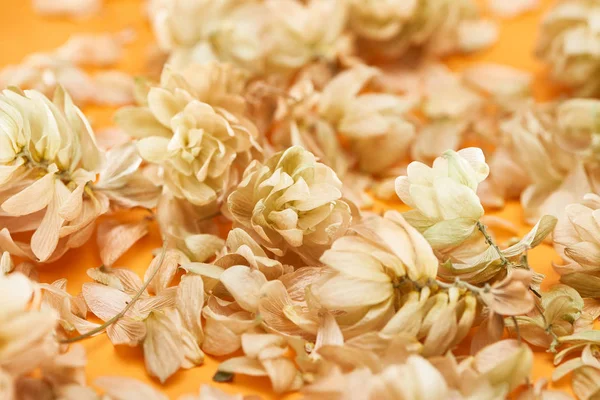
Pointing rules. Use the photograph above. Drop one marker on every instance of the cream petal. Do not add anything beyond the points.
(456, 200)
(166, 273)
(189, 302)
(414, 251)
(285, 219)
(70, 8)
(441, 334)
(7, 171)
(211, 393)
(126, 331)
(409, 317)
(163, 347)
(477, 34)
(219, 340)
(299, 191)
(121, 388)
(329, 333)
(153, 148)
(357, 265)
(45, 238)
(585, 383)
(15, 292)
(244, 366)
(344, 292)
(24, 333)
(275, 307)
(320, 194)
(73, 204)
(31, 199)
(244, 285)
(425, 200)
(163, 105)
(193, 354)
(511, 8)
(254, 343)
(115, 239)
(139, 122)
(203, 246)
(294, 237)
(282, 373)
(105, 302)
(164, 300)
(505, 362)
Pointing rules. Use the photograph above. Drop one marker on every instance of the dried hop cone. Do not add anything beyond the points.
(28, 337)
(206, 30)
(48, 163)
(444, 198)
(391, 28)
(579, 128)
(569, 41)
(193, 125)
(292, 202)
(577, 240)
(532, 140)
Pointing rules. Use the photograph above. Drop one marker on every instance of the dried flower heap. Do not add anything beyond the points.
(64, 67)
(353, 125)
(392, 28)
(277, 38)
(203, 30)
(269, 117)
(32, 362)
(24, 329)
(547, 155)
(568, 43)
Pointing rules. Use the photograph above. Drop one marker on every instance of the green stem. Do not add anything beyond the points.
(126, 308)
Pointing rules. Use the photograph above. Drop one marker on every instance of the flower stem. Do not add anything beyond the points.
(517, 329)
(548, 329)
(126, 308)
(460, 284)
(482, 228)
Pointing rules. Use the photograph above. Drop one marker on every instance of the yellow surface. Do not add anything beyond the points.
(24, 32)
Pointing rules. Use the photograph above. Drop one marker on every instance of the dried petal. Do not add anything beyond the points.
(114, 239)
(163, 347)
(120, 388)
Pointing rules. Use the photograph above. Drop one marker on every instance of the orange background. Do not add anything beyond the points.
(23, 32)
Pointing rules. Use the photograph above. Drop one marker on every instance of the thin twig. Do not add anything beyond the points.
(537, 294)
(548, 328)
(460, 284)
(517, 330)
(491, 242)
(126, 308)
(267, 88)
